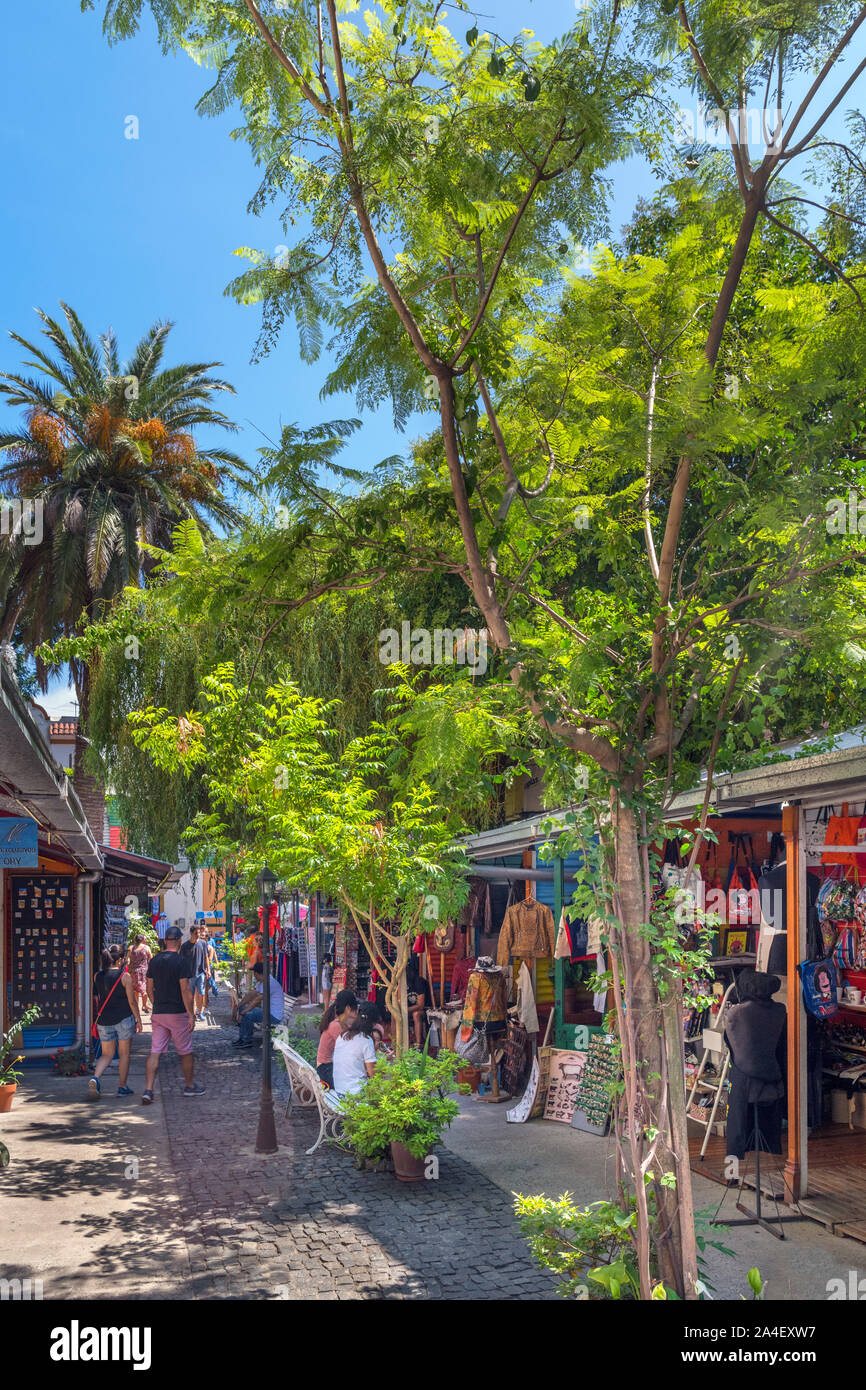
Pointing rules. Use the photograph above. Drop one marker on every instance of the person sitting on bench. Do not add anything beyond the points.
(250, 1007)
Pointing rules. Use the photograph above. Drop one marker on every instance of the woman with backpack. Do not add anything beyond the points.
(117, 1019)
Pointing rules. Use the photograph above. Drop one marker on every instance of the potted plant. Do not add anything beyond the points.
(9, 1057)
(405, 1104)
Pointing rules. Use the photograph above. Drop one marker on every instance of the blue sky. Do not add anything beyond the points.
(131, 230)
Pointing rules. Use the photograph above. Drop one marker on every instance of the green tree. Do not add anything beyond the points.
(282, 791)
(462, 172)
(108, 452)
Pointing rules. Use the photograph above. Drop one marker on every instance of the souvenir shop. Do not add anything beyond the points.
(510, 983)
(792, 857)
(50, 862)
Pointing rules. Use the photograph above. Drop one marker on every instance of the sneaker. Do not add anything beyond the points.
(194, 1090)
(94, 1090)
(147, 1097)
(240, 1043)
(125, 1091)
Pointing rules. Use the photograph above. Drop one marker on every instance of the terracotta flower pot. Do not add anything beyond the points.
(406, 1167)
(470, 1076)
(7, 1091)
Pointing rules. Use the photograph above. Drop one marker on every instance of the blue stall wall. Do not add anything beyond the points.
(545, 891)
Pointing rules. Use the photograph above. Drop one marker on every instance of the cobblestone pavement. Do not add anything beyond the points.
(291, 1225)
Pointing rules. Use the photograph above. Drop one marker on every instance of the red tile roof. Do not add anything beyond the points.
(62, 728)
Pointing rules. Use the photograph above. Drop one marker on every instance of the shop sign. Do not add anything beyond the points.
(19, 848)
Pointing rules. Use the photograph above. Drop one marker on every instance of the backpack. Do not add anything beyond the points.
(847, 951)
(860, 909)
(818, 980)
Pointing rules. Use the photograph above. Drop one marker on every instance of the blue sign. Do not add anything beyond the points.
(19, 848)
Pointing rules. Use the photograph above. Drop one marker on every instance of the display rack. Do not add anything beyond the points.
(715, 1050)
(42, 965)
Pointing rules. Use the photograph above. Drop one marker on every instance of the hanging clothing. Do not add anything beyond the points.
(572, 939)
(563, 940)
(527, 930)
(477, 911)
(526, 1011)
(485, 1006)
(460, 978)
(517, 1059)
(595, 927)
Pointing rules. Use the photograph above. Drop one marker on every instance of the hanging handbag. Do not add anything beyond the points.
(94, 1031)
(818, 979)
(744, 903)
(671, 870)
(475, 1051)
(816, 836)
(842, 830)
(443, 937)
(838, 903)
(847, 950)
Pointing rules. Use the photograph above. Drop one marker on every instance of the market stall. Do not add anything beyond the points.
(811, 937)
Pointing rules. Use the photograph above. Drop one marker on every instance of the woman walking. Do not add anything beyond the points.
(137, 962)
(117, 1019)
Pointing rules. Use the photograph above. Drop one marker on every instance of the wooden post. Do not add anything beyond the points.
(792, 831)
(558, 965)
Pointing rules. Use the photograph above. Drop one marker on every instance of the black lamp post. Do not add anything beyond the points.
(266, 1139)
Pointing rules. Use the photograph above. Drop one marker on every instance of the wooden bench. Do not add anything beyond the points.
(307, 1090)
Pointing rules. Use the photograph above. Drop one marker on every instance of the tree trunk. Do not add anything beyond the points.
(395, 997)
(657, 1055)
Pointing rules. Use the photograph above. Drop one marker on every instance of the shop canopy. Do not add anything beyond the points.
(33, 783)
(155, 873)
(815, 779)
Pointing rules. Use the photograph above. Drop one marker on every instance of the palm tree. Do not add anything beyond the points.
(108, 453)
(107, 457)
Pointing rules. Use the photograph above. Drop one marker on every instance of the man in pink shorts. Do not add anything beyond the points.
(173, 1016)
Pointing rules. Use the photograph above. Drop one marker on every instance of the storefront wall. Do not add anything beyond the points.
(43, 948)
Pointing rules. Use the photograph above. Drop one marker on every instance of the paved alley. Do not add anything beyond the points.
(114, 1199)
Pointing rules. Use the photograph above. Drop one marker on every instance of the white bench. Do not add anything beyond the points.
(226, 984)
(307, 1090)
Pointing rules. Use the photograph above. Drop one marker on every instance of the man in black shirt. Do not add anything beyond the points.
(173, 1017)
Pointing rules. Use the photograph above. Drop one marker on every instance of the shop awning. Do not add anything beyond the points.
(156, 873)
(816, 779)
(34, 783)
(514, 837)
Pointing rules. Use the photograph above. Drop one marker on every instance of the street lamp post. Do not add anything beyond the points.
(266, 1139)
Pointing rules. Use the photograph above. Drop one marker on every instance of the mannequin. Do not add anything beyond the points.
(755, 1034)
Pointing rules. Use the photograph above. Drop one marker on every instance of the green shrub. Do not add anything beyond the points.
(590, 1248)
(137, 922)
(9, 1056)
(405, 1101)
